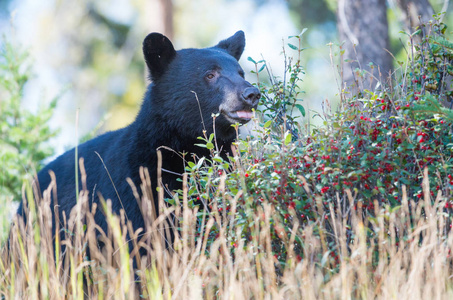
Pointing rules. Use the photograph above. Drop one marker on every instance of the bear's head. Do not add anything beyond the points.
(190, 85)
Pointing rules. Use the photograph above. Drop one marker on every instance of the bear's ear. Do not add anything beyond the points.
(234, 45)
(158, 52)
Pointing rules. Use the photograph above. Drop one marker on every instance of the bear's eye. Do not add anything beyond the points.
(210, 76)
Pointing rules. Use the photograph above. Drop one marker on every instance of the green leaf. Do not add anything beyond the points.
(288, 137)
(251, 59)
(416, 32)
(292, 46)
(200, 162)
(301, 109)
(217, 159)
(267, 124)
(210, 146)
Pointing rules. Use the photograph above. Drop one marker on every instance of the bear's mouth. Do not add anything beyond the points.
(240, 116)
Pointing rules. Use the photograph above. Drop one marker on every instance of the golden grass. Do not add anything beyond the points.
(419, 267)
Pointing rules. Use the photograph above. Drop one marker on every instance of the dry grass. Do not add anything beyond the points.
(382, 268)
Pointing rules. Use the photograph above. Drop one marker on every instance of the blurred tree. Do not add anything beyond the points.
(94, 50)
(161, 19)
(415, 11)
(311, 12)
(363, 28)
(4, 7)
(24, 135)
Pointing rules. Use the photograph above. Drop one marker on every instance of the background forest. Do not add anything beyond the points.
(344, 191)
(88, 53)
(86, 56)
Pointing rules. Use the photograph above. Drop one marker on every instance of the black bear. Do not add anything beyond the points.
(187, 87)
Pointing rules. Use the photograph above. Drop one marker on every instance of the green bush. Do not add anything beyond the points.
(23, 134)
(362, 157)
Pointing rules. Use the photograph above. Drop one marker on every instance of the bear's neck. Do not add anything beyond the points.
(154, 131)
(151, 133)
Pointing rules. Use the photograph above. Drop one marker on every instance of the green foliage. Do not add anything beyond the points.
(23, 134)
(367, 157)
(281, 100)
(432, 72)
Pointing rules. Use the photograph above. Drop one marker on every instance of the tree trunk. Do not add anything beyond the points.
(160, 20)
(363, 28)
(161, 17)
(415, 11)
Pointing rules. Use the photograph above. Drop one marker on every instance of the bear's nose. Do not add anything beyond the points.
(251, 96)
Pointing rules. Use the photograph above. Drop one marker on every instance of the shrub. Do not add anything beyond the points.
(378, 146)
(23, 134)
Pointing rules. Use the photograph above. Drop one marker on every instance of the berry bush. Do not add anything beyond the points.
(376, 149)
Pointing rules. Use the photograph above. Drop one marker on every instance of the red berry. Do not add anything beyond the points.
(324, 189)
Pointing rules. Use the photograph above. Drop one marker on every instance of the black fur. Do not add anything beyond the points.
(169, 116)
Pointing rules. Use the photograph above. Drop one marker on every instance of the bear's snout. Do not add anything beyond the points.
(251, 96)
(238, 104)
